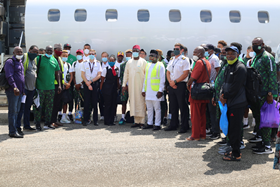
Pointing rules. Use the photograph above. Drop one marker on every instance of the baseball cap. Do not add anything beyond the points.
(233, 48)
(80, 51)
(67, 45)
(128, 51)
(120, 53)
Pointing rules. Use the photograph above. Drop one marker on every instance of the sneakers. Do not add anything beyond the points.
(169, 116)
(256, 139)
(46, 127)
(208, 134)
(38, 127)
(208, 131)
(263, 150)
(101, 118)
(223, 142)
(246, 126)
(70, 117)
(122, 121)
(223, 147)
(65, 120)
(116, 119)
(223, 151)
(214, 136)
(257, 146)
(59, 117)
(242, 145)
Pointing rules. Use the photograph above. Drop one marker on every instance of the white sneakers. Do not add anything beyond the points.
(65, 119)
(101, 118)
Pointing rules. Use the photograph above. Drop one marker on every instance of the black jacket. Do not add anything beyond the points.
(234, 85)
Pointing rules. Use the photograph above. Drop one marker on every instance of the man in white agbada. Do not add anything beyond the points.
(153, 88)
(135, 73)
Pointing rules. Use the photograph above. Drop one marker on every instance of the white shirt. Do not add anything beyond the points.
(104, 71)
(104, 65)
(177, 66)
(215, 63)
(96, 67)
(65, 66)
(86, 58)
(77, 69)
(166, 61)
(150, 94)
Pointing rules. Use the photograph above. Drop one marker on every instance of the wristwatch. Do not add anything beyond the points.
(269, 93)
(175, 81)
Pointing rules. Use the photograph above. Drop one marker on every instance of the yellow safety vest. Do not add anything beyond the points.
(62, 69)
(155, 76)
(26, 62)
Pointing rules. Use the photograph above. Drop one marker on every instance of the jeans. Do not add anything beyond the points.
(14, 103)
(25, 110)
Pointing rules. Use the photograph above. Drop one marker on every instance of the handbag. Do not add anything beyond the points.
(202, 91)
(79, 118)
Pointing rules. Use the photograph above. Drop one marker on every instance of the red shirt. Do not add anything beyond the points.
(199, 73)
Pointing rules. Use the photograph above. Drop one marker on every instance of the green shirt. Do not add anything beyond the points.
(71, 59)
(265, 64)
(241, 60)
(245, 59)
(220, 80)
(46, 75)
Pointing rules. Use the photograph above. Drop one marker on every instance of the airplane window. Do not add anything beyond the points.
(263, 17)
(234, 16)
(174, 15)
(54, 15)
(143, 15)
(80, 15)
(111, 15)
(205, 16)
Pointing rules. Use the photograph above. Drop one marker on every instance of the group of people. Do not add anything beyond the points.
(63, 82)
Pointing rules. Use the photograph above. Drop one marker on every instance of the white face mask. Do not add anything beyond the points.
(68, 52)
(19, 57)
(252, 54)
(86, 51)
(195, 58)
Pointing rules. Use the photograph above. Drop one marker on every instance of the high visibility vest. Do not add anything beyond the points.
(155, 76)
(26, 62)
(62, 70)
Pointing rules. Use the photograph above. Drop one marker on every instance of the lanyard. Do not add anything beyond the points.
(174, 63)
(91, 69)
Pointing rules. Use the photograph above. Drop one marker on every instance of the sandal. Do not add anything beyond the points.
(58, 123)
(191, 139)
(230, 153)
(54, 125)
(231, 158)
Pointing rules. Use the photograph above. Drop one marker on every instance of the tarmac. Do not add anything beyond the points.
(74, 155)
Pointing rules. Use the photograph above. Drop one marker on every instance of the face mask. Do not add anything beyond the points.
(206, 54)
(257, 48)
(86, 51)
(195, 58)
(32, 56)
(68, 52)
(230, 62)
(58, 53)
(111, 64)
(252, 54)
(19, 57)
(49, 56)
(79, 57)
(128, 58)
(176, 52)
(91, 57)
(223, 57)
(64, 59)
(135, 54)
(104, 59)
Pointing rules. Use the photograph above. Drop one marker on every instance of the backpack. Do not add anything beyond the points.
(3, 81)
(253, 85)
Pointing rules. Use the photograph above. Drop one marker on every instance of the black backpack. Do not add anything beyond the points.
(253, 85)
(3, 81)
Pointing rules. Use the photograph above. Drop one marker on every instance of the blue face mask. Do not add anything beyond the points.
(206, 54)
(64, 59)
(49, 56)
(135, 54)
(91, 57)
(183, 53)
(104, 59)
(79, 57)
(128, 58)
(111, 64)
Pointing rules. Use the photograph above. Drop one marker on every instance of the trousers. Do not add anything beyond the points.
(151, 107)
(198, 118)
(90, 102)
(56, 105)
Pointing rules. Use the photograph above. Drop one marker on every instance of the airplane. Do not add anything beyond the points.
(114, 25)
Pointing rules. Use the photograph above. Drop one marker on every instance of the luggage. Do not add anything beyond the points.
(253, 85)
(270, 115)
(79, 117)
(3, 81)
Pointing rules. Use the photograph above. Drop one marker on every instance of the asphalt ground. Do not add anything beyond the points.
(74, 155)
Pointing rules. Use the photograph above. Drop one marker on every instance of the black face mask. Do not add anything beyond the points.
(223, 57)
(257, 48)
(32, 56)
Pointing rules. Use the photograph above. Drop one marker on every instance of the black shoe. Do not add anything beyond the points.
(169, 128)
(164, 121)
(209, 134)
(51, 127)
(223, 142)
(215, 136)
(181, 131)
(19, 131)
(135, 125)
(84, 123)
(112, 124)
(38, 128)
(156, 128)
(16, 135)
(70, 117)
(148, 127)
(59, 117)
(95, 124)
(29, 129)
